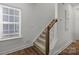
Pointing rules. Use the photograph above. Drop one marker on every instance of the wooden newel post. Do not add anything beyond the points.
(47, 40)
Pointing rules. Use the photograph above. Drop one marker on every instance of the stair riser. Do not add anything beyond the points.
(42, 36)
(42, 42)
(42, 50)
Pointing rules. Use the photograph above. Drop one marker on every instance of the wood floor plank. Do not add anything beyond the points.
(27, 51)
(32, 51)
(73, 49)
(37, 50)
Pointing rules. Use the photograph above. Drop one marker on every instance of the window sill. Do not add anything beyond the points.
(6, 39)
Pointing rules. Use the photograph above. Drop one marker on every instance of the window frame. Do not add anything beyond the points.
(2, 22)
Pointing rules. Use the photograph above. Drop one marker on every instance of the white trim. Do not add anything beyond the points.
(11, 33)
(56, 10)
(20, 24)
(12, 15)
(54, 37)
(1, 39)
(11, 7)
(2, 22)
(9, 22)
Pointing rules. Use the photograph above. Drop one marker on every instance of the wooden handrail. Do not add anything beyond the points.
(52, 23)
(48, 35)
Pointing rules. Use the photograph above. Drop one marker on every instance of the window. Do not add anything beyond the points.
(10, 23)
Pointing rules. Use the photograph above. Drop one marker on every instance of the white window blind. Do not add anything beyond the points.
(10, 22)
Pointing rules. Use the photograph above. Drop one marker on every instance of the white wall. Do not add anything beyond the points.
(76, 21)
(34, 19)
(53, 31)
(64, 26)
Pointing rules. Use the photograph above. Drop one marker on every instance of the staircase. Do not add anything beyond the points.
(42, 42)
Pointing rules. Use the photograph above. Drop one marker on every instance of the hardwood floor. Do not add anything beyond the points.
(73, 49)
(28, 51)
